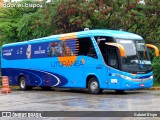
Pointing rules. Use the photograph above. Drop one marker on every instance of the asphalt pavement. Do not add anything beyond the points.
(80, 100)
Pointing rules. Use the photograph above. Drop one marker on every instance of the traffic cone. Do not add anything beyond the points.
(5, 85)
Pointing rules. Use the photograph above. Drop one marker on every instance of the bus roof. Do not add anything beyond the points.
(100, 32)
(111, 33)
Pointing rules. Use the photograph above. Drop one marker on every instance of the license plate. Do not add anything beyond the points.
(141, 85)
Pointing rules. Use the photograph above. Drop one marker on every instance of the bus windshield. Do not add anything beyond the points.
(136, 59)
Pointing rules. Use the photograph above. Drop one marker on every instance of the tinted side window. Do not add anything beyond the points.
(86, 47)
(112, 58)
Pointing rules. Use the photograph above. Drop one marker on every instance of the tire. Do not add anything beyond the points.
(93, 86)
(120, 91)
(22, 83)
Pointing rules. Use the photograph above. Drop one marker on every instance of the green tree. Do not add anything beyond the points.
(38, 24)
(156, 70)
(63, 16)
(9, 21)
(128, 15)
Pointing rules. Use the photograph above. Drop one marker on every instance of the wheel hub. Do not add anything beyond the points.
(22, 83)
(94, 86)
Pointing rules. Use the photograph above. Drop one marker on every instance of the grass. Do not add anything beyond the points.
(156, 84)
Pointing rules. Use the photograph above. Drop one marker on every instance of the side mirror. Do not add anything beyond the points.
(155, 49)
(119, 46)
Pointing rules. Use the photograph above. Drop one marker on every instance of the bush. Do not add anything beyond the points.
(0, 80)
(156, 70)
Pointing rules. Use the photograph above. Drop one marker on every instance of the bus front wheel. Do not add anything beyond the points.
(93, 86)
(22, 83)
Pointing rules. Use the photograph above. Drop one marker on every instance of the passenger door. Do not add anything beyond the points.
(113, 69)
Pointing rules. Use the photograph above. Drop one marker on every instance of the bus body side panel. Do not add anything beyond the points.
(37, 72)
(34, 77)
(44, 72)
(99, 74)
(95, 67)
(113, 81)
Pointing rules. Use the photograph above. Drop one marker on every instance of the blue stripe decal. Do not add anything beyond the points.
(34, 77)
(58, 80)
(142, 77)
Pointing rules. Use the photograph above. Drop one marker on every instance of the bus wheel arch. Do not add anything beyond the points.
(93, 85)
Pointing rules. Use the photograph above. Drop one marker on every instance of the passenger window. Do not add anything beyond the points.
(86, 47)
(92, 52)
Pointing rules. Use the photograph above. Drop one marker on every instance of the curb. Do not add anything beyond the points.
(154, 88)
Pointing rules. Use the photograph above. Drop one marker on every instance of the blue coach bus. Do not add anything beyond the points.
(92, 59)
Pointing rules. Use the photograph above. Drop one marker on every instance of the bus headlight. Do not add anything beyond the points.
(151, 77)
(124, 77)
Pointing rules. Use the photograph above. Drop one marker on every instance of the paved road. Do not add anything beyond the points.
(78, 100)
